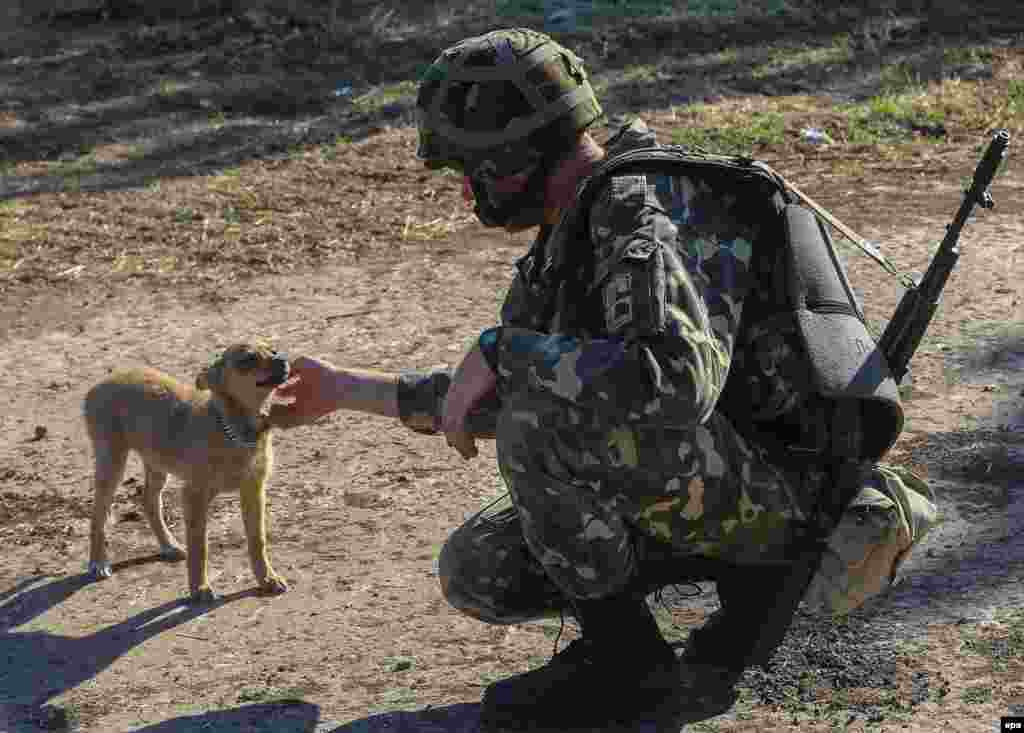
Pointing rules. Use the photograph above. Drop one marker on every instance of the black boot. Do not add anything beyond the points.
(731, 637)
(619, 670)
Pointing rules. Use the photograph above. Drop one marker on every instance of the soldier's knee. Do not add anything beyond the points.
(465, 590)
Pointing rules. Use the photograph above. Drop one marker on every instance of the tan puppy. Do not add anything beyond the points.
(215, 437)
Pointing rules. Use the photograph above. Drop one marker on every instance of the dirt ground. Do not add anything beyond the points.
(170, 189)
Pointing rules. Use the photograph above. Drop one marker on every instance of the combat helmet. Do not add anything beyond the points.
(509, 102)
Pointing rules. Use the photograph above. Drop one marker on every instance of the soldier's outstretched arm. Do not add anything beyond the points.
(318, 388)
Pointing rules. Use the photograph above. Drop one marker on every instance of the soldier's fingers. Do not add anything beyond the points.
(463, 443)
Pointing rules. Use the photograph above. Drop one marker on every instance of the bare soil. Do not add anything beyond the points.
(170, 189)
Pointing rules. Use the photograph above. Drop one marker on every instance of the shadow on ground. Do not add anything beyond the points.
(118, 104)
(39, 666)
(283, 717)
(465, 718)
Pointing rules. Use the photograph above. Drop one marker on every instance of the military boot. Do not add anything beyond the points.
(619, 670)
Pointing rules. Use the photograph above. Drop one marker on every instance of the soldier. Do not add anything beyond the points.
(657, 413)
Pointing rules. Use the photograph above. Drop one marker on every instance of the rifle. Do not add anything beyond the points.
(901, 338)
(905, 330)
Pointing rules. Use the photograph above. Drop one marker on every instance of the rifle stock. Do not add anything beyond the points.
(905, 330)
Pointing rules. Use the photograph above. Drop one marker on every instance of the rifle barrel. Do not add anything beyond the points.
(904, 332)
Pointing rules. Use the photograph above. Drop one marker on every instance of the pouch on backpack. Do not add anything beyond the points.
(891, 513)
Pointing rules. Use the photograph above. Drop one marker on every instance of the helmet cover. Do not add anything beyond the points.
(506, 103)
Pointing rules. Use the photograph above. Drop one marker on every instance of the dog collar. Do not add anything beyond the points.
(244, 436)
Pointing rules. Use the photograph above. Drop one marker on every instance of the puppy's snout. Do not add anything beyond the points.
(280, 367)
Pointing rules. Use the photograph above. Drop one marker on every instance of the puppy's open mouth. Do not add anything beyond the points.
(278, 375)
(274, 380)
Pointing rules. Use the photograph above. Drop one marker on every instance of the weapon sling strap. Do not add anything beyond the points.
(855, 389)
(847, 471)
(860, 242)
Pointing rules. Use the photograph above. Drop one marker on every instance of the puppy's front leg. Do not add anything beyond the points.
(253, 496)
(197, 505)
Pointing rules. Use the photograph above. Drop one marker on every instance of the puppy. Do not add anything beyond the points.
(215, 437)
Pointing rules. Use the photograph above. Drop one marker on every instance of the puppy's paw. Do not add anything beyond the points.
(202, 596)
(172, 553)
(99, 570)
(273, 585)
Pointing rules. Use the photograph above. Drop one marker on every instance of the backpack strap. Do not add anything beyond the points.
(847, 364)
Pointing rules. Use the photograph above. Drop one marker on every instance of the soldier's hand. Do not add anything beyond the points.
(472, 383)
(308, 393)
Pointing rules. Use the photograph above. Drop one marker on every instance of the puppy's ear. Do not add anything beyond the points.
(210, 377)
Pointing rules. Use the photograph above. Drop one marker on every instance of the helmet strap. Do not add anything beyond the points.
(524, 208)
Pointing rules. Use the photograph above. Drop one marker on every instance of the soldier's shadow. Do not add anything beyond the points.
(39, 665)
(465, 718)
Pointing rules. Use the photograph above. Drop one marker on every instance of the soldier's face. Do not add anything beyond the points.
(499, 189)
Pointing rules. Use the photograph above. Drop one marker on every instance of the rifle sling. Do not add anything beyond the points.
(847, 474)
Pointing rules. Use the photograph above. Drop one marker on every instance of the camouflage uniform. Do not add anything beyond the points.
(608, 437)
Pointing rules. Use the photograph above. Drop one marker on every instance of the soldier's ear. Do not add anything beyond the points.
(210, 377)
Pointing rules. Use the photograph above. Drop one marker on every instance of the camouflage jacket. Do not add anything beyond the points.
(670, 257)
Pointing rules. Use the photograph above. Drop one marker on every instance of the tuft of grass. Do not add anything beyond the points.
(436, 229)
(963, 55)
(1002, 645)
(399, 664)
(977, 695)
(1015, 98)
(232, 215)
(15, 233)
(893, 117)
(706, 726)
(329, 151)
(732, 133)
(167, 88)
(76, 168)
(128, 263)
(900, 78)
(271, 695)
(136, 152)
(397, 698)
(378, 97)
(186, 215)
(782, 60)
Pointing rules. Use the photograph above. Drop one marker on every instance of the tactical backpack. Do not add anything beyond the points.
(848, 374)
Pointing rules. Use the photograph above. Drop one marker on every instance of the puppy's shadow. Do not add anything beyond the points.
(292, 716)
(40, 665)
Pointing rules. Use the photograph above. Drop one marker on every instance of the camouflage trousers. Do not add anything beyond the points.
(589, 507)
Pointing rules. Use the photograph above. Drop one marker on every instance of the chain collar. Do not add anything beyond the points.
(243, 436)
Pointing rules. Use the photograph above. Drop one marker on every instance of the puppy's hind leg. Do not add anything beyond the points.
(110, 464)
(153, 506)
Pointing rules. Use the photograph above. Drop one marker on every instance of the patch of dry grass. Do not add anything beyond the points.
(789, 58)
(18, 234)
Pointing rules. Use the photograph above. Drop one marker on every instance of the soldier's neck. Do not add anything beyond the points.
(561, 188)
